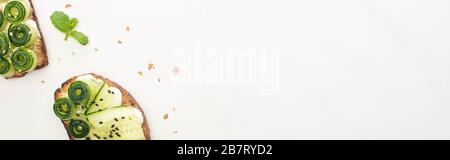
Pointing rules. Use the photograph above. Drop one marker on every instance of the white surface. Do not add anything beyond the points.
(348, 69)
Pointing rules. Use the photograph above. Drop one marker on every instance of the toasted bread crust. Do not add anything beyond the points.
(127, 99)
(38, 47)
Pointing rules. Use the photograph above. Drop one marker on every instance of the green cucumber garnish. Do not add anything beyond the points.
(24, 60)
(3, 22)
(5, 68)
(63, 108)
(22, 34)
(117, 123)
(79, 92)
(107, 97)
(78, 128)
(4, 45)
(17, 11)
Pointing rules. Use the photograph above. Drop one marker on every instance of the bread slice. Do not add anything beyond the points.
(127, 100)
(38, 47)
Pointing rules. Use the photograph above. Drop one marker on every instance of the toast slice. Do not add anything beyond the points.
(38, 47)
(127, 100)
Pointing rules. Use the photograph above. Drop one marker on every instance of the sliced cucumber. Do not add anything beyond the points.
(17, 11)
(118, 123)
(6, 69)
(95, 86)
(107, 97)
(24, 60)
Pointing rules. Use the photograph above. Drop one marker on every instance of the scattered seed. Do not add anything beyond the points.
(127, 28)
(140, 73)
(151, 66)
(123, 117)
(88, 138)
(117, 134)
(120, 42)
(96, 49)
(105, 138)
(117, 120)
(101, 99)
(100, 122)
(96, 105)
(110, 136)
(98, 137)
(175, 70)
(117, 129)
(67, 6)
(113, 126)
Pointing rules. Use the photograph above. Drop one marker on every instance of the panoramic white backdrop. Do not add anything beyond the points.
(252, 69)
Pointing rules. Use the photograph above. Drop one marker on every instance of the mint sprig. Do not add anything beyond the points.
(67, 25)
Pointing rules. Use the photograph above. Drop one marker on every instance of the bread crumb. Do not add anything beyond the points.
(127, 28)
(68, 6)
(174, 109)
(59, 59)
(159, 80)
(119, 41)
(96, 49)
(73, 53)
(151, 66)
(174, 132)
(176, 70)
(166, 116)
(141, 73)
(42, 81)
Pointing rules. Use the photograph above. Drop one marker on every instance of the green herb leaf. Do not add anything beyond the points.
(80, 37)
(67, 25)
(61, 21)
(73, 23)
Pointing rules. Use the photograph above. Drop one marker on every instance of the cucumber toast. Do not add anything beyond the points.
(94, 108)
(22, 46)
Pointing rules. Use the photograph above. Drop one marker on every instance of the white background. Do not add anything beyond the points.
(348, 69)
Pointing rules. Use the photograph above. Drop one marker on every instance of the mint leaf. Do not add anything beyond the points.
(80, 37)
(65, 24)
(61, 21)
(73, 23)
